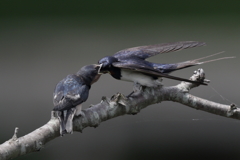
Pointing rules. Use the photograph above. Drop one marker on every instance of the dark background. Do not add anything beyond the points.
(43, 41)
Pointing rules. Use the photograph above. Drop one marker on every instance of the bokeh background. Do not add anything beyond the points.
(43, 41)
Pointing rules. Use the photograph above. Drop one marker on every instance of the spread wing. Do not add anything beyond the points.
(144, 52)
(150, 71)
(69, 93)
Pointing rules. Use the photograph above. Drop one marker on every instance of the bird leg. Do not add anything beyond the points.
(159, 82)
(136, 88)
(130, 94)
(79, 110)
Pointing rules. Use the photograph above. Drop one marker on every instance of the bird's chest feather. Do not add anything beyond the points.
(138, 77)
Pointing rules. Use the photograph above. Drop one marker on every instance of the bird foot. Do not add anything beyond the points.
(79, 110)
(80, 113)
(159, 82)
(137, 87)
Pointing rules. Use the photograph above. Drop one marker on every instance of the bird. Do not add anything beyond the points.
(70, 93)
(131, 64)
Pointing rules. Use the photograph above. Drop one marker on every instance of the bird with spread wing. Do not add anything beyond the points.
(131, 64)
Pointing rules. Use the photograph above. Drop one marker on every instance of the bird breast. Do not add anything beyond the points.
(96, 78)
(137, 77)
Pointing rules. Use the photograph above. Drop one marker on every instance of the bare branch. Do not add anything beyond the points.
(116, 106)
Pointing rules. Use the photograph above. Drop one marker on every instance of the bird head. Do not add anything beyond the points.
(90, 73)
(106, 64)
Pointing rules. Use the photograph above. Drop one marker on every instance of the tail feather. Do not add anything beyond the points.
(168, 68)
(65, 118)
(215, 60)
(61, 118)
(197, 61)
(209, 56)
(69, 119)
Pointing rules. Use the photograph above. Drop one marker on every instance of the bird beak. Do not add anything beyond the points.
(99, 69)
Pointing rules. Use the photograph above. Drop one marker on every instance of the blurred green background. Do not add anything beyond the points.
(43, 41)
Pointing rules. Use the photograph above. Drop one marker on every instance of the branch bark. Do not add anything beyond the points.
(116, 106)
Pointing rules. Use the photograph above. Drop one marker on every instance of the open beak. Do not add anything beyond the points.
(98, 75)
(99, 69)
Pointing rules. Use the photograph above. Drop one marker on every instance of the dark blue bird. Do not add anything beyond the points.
(71, 92)
(131, 65)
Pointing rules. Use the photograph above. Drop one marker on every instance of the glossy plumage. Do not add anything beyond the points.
(71, 92)
(131, 65)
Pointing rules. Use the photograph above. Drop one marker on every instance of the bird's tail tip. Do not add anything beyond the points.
(197, 61)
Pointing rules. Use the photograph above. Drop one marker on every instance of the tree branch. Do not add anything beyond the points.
(116, 106)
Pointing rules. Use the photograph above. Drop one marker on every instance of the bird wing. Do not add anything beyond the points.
(150, 71)
(69, 93)
(144, 52)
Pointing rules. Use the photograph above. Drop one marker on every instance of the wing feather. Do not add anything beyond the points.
(69, 93)
(144, 52)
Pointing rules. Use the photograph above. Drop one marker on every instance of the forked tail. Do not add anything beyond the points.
(181, 65)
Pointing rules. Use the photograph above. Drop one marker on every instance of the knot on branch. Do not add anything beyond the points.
(54, 115)
(118, 99)
(232, 110)
(14, 137)
(120, 102)
(115, 101)
(198, 76)
(39, 145)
